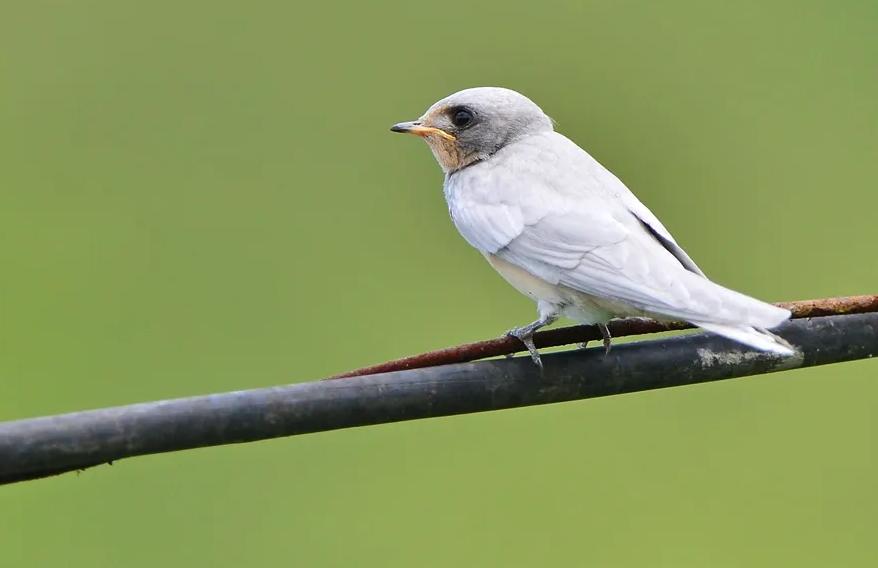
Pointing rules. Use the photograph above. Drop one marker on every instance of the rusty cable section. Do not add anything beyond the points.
(584, 333)
(40, 447)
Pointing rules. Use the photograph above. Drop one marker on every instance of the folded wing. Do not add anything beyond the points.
(568, 228)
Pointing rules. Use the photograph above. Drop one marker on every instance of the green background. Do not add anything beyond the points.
(201, 197)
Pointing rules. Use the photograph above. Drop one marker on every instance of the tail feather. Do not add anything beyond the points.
(729, 307)
(757, 338)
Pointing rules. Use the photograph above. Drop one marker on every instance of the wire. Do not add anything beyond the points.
(41, 447)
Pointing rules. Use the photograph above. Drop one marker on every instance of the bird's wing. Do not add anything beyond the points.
(610, 254)
(657, 230)
(603, 181)
(523, 210)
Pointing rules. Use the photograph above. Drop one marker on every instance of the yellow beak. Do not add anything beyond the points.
(419, 130)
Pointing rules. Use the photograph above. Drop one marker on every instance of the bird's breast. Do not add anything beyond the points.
(525, 282)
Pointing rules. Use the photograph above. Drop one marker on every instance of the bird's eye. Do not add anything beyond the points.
(461, 117)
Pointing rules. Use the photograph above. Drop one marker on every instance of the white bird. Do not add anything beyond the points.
(565, 231)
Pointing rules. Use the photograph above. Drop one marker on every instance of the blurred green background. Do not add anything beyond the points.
(204, 196)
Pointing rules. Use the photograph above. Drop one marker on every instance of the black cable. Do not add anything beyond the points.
(41, 447)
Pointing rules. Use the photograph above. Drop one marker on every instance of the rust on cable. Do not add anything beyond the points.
(584, 333)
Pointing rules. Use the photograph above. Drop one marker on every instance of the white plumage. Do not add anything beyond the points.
(564, 230)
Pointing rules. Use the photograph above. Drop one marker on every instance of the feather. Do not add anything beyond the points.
(546, 206)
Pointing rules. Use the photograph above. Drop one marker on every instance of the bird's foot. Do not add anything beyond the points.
(605, 333)
(608, 339)
(526, 336)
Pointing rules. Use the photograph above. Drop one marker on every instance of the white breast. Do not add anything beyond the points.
(526, 283)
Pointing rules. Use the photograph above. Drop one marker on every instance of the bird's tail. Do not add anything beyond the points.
(755, 337)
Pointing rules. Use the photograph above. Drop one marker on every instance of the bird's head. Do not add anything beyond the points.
(473, 124)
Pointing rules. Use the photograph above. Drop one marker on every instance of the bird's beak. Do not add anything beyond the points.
(418, 129)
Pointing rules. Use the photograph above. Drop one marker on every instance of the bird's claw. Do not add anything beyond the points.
(607, 345)
(607, 339)
(528, 341)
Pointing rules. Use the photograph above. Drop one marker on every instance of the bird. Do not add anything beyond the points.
(565, 231)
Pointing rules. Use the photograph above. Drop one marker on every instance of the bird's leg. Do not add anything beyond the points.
(605, 333)
(525, 333)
